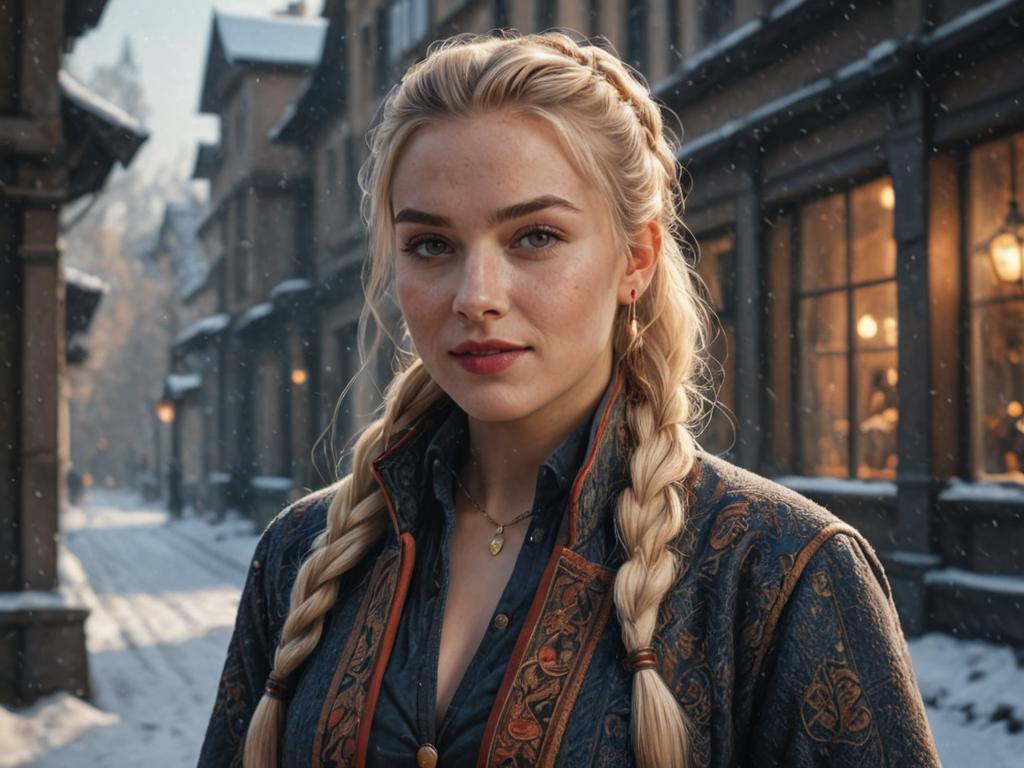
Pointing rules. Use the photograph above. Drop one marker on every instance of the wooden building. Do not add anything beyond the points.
(58, 142)
(256, 233)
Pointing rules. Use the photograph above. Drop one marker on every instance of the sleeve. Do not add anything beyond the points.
(837, 687)
(248, 662)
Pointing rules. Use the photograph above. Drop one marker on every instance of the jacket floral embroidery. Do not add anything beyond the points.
(779, 639)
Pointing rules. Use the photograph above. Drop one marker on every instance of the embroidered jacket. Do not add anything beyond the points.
(779, 639)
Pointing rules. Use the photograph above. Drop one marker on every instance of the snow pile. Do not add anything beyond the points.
(47, 727)
(974, 692)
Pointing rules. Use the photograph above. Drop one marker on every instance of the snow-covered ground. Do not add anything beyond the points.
(163, 597)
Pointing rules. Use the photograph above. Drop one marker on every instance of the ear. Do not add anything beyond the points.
(641, 262)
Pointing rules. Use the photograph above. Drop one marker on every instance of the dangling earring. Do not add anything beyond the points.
(632, 330)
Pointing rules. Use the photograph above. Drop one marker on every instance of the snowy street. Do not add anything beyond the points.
(163, 596)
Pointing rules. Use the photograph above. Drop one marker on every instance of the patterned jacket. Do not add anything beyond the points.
(779, 639)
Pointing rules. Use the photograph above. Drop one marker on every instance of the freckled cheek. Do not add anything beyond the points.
(420, 303)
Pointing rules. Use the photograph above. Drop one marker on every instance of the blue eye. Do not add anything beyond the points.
(427, 248)
(538, 238)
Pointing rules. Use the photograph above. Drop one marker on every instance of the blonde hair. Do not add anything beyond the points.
(613, 133)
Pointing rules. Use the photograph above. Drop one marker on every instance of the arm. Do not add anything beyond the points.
(249, 658)
(837, 687)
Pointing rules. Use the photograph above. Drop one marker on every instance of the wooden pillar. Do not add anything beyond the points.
(750, 382)
(908, 165)
(42, 355)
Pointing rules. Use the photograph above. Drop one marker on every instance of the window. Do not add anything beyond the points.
(672, 31)
(547, 13)
(715, 16)
(499, 14)
(243, 248)
(716, 269)
(636, 34)
(594, 16)
(330, 171)
(408, 23)
(996, 314)
(845, 315)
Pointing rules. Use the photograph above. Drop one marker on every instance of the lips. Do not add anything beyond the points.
(489, 356)
(487, 347)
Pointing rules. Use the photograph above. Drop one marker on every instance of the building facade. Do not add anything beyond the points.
(853, 176)
(58, 142)
(250, 360)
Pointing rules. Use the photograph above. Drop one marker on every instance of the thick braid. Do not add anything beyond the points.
(356, 519)
(661, 364)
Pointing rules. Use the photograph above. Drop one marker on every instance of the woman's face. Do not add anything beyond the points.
(506, 269)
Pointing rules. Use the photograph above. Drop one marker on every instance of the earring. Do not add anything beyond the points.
(632, 330)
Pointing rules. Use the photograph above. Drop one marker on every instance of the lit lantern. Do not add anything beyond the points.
(1014, 409)
(1005, 249)
(299, 376)
(887, 198)
(867, 326)
(165, 411)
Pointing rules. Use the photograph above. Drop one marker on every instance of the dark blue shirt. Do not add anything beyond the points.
(405, 717)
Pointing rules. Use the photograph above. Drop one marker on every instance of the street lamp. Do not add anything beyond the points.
(166, 412)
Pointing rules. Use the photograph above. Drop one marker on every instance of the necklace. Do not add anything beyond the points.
(498, 540)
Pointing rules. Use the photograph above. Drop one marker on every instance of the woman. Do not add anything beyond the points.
(531, 562)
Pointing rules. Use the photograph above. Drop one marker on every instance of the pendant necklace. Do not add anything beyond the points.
(498, 540)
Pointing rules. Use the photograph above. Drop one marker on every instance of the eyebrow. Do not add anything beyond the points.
(503, 214)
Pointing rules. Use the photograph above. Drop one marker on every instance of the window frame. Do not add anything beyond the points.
(797, 211)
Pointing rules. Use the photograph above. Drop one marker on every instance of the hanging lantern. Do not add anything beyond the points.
(165, 411)
(1006, 248)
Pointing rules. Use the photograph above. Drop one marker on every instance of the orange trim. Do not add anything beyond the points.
(789, 583)
(577, 487)
(387, 642)
(532, 618)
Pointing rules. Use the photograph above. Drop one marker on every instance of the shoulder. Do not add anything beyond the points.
(732, 508)
(750, 542)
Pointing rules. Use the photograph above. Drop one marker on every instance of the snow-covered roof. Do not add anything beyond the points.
(290, 286)
(286, 40)
(180, 384)
(83, 280)
(254, 313)
(245, 41)
(206, 326)
(96, 105)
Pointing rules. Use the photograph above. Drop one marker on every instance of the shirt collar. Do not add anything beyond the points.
(554, 476)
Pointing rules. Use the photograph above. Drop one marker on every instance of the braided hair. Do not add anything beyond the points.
(614, 135)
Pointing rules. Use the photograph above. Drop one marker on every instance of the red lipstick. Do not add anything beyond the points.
(488, 356)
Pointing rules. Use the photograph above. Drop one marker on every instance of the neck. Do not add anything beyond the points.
(501, 467)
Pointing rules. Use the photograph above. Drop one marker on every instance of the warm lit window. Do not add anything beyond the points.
(846, 413)
(716, 268)
(996, 290)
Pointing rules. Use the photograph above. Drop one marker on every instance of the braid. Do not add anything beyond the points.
(356, 519)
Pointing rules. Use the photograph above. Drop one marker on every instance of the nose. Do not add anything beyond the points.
(482, 291)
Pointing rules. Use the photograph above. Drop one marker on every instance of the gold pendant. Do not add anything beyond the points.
(498, 541)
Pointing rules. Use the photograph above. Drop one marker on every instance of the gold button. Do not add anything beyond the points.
(426, 756)
(256, 565)
(501, 621)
